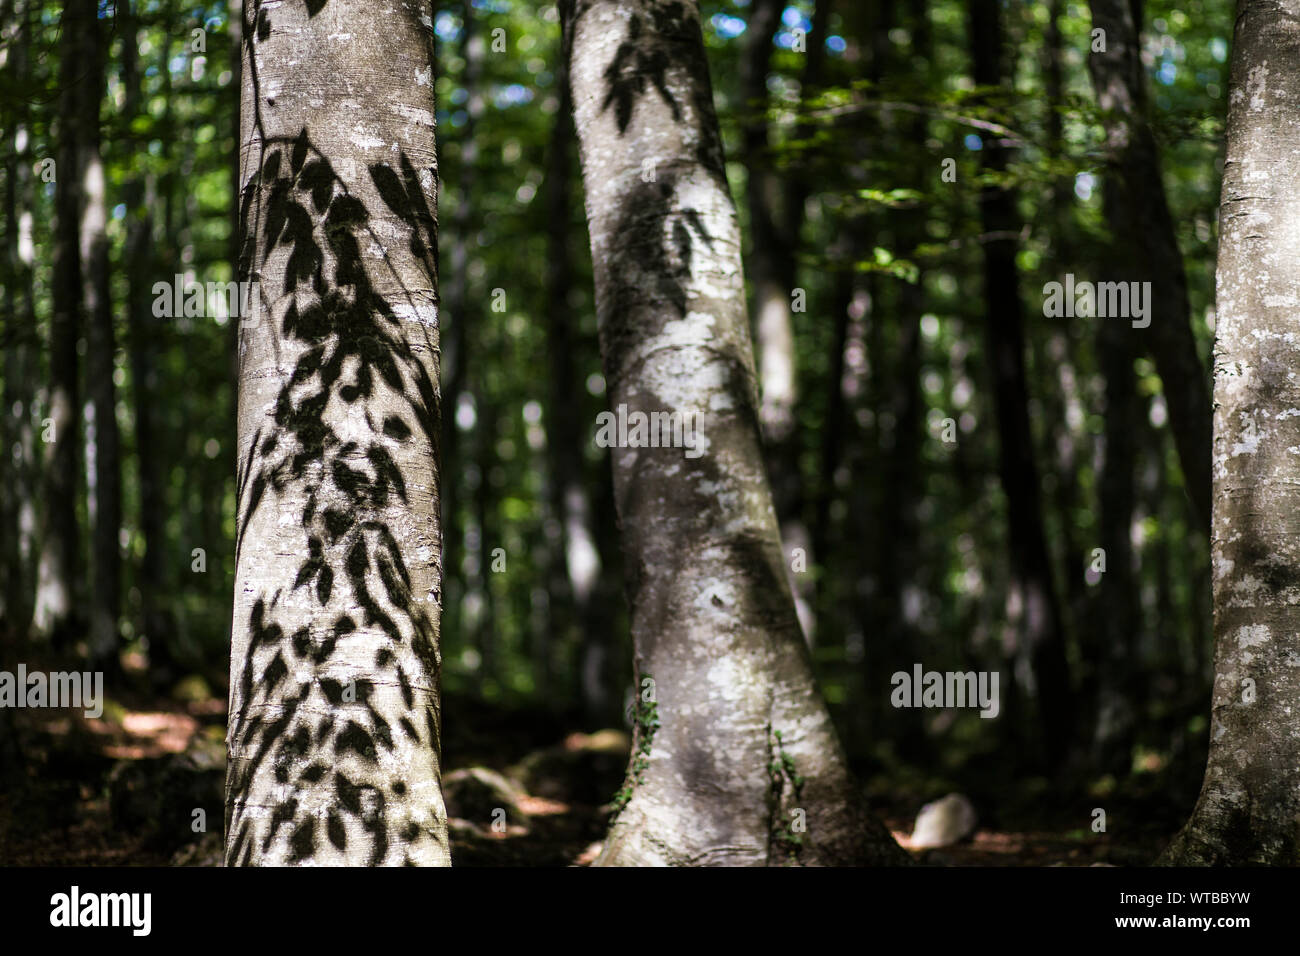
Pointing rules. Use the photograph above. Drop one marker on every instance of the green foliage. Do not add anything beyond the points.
(882, 226)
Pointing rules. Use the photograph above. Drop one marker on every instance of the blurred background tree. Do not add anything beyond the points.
(864, 148)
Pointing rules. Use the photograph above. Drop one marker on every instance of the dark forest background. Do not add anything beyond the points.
(913, 533)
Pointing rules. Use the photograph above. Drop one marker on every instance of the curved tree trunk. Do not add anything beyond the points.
(334, 732)
(734, 749)
(1040, 625)
(59, 571)
(1249, 807)
(1141, 223)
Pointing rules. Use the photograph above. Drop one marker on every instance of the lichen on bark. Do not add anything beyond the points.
(1249, 807)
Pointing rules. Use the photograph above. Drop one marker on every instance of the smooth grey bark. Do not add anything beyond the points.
(334, 736)
(1141, 224)
(57, 614)
(736, 750)
(1249, 807)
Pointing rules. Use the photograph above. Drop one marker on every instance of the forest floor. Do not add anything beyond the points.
(124, 790)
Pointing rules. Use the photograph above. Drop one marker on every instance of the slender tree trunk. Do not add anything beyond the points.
(235, 30)
(835, 427)
(1170, 638)
(1054, 87)
(575, 571)
(143, 333)
(1031, 568)
(334, 732)
(833, 433)
(797, 192)
(871, 24)
(1113, 641)
(800, 186)
(1110, 647)
(1061, 353)
(487, 638)
(770, 262)
(902, 454)
(734, 750)
(774, 228)
(456, 341)
(19, 335)
(57, 614)
(1249, 808)
(1140, 221)
(101, 348)
(10, 567)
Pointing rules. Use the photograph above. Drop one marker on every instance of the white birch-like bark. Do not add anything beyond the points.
(334, 735)
(1248, 812)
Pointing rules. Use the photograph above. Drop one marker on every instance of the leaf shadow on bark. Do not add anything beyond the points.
(655, 244)
(353, 357)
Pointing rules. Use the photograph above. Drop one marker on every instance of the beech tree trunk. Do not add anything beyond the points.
(581, 601)
(143, 332)
(1142, 226)
(334, 738)
(1108, 648)
(1248, 812)
(56, 613)
(775, 221)
(1112, 645)
(735, 760)
(17, 464)
(455, 337)
(101, 350)
(1039, 626)
(772, 249)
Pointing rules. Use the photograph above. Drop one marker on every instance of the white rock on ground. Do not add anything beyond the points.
(944, 822)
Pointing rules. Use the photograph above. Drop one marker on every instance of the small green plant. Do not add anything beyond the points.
(646, 723)
(783, 771)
